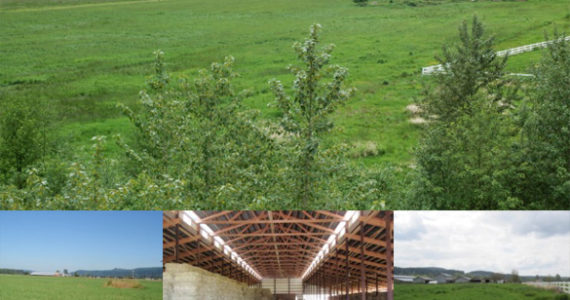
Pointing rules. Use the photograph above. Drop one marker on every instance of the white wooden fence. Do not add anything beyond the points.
(512, 51)
(563, 286)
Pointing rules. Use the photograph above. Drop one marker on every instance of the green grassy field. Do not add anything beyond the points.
(20, 287)
(84, 56)
(473, 292)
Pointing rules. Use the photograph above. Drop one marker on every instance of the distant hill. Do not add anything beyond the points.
(428, 271)
(155, 272)
(434, 271)
(480, 274)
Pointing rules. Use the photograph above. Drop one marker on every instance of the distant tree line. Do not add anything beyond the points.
(14, 271)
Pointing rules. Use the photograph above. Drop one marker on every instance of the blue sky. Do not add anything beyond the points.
(89, 240)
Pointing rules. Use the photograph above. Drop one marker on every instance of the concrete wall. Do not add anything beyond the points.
(183, 281)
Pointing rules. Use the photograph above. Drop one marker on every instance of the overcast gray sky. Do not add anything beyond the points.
(532, 242)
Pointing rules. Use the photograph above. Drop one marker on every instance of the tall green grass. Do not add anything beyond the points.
(81, 57)
(473, 291)
(18, 287)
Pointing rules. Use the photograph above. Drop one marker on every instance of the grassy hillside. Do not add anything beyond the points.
(83, 56)
(17, 287)
(473, 292)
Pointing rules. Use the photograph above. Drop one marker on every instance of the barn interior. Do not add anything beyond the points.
(292, 255)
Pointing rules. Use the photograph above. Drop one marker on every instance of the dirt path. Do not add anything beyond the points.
(63, 7)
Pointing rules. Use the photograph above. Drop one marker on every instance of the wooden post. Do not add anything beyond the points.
(347, 267)
(177, 237)
(376, 284)
(389, 253)
(362, 272)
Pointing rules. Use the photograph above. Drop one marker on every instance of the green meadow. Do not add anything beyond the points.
(82, 57)
(473, 292)
(20, 287)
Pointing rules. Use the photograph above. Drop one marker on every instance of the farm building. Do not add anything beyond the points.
(444, 278)
(262, 255)
(422, 279)
(404, 278)
(55, 274)
(480, 280)
(462, 279)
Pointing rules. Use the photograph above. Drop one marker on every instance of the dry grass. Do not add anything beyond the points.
(365, 149)
(123, 284)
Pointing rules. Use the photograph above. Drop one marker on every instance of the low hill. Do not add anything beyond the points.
(154, 272)
(435, 271)
(427, 271)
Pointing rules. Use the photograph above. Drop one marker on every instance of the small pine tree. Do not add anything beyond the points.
(306, 114)
(461, 158)
(469, 67)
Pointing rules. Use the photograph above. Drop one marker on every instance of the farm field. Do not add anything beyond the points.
(22, 287)
(473, 292)
(83, 57)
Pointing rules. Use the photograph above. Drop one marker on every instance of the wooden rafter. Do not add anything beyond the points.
(284, 243)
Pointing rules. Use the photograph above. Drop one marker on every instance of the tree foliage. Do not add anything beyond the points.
(198, 133)
(22, 139)
(545, 136)
(515, 278)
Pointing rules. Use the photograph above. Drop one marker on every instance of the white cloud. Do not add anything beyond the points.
(532, 242)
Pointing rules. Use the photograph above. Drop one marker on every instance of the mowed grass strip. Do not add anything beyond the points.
(18, 287)
(473, 291)
(83, 58)
(16, 6)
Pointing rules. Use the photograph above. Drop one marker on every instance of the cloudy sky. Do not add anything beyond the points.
(532, 242)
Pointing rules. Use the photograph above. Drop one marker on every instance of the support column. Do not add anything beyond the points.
(389, 255)
(347, 267)
(377, 284)
(176, 246)
(362, 272)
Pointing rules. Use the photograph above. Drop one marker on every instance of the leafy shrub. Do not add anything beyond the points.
(360, 2)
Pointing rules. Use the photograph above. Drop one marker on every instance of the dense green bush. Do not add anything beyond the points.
(360, 2)
(544, 145)
(21, 142)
